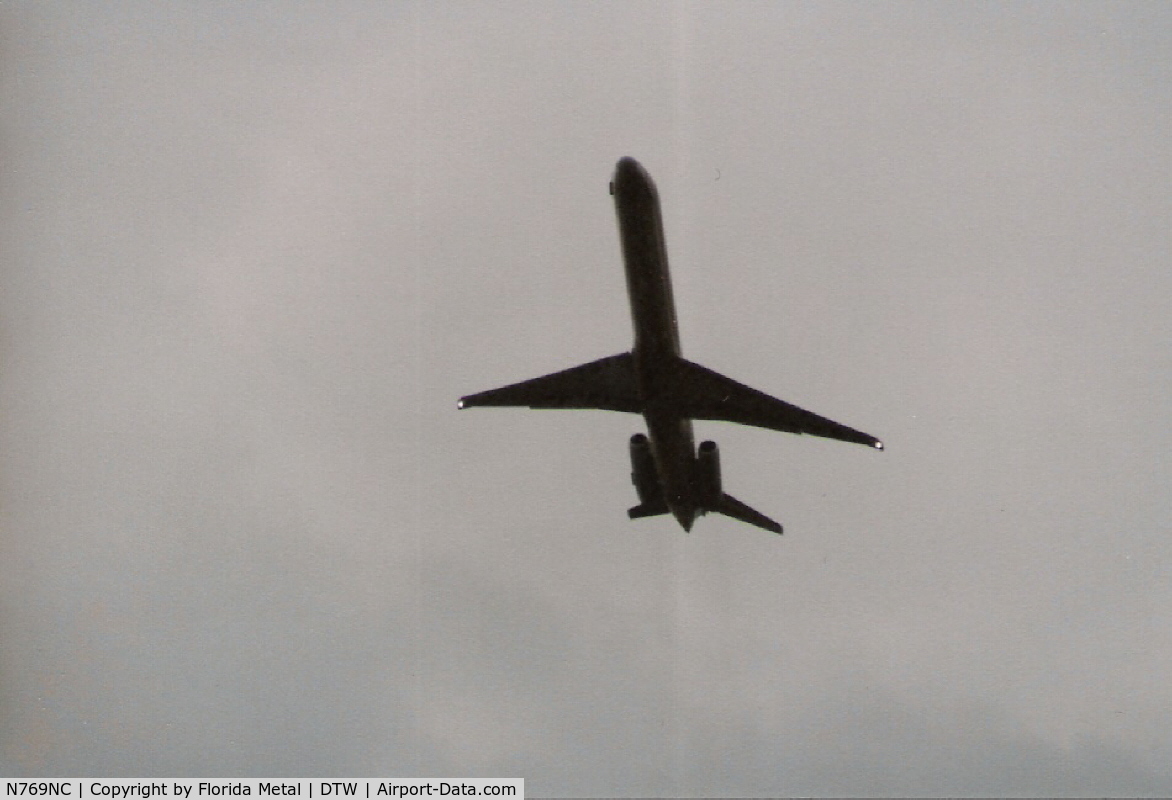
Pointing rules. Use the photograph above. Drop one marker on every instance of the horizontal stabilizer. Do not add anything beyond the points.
(647, 510)
(607, 384)
(732, 507)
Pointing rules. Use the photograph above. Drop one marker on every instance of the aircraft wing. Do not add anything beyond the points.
(608, 384)
(704, 394)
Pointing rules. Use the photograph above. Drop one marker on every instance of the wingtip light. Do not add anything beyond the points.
(460, 403)
(878, 445)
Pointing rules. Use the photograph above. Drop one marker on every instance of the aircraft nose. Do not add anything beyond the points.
(685, 516)
(628, 169)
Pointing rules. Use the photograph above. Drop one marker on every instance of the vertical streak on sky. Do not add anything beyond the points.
(416, 513)
(680, 123)
(679, 145)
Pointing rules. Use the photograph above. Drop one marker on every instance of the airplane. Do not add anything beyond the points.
(653, 379)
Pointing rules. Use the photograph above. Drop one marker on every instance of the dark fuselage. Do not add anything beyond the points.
(657, 338)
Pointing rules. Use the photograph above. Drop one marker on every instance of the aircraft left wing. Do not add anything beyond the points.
(705, 394)
(608, 384)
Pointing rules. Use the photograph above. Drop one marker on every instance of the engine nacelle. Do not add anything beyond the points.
(708, 474)
(643, 472)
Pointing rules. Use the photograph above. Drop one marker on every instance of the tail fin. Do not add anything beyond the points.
(732, 507)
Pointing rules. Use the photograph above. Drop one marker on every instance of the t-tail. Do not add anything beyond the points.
(709, 493)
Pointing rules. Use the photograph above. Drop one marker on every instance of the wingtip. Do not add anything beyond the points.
(878, 445)
(460, 403)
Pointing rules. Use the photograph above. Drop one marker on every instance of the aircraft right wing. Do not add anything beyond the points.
(705, 394)
(608, 384)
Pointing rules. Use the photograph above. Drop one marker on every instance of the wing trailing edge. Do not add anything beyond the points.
(701, 393)
(608, 384)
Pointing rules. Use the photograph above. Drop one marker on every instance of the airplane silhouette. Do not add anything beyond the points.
(654, 380)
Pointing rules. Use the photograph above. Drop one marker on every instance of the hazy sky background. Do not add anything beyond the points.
(252, 253)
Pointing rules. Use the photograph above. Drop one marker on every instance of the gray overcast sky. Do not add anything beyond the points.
(253, 253)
